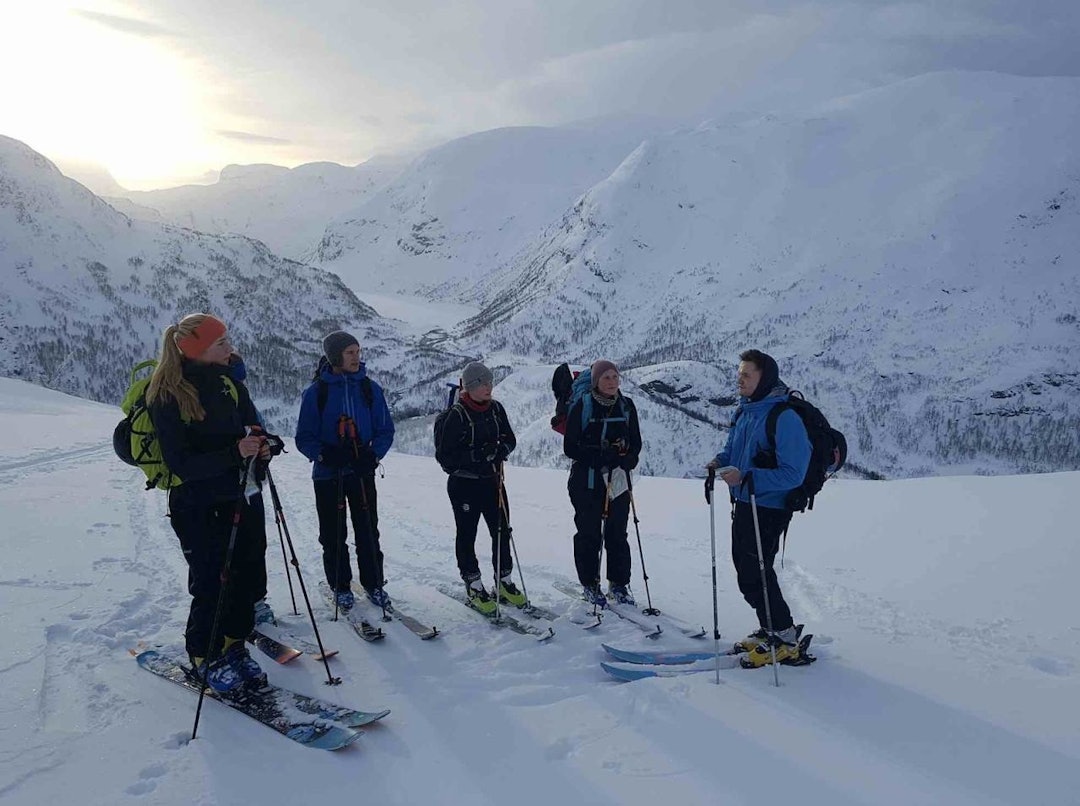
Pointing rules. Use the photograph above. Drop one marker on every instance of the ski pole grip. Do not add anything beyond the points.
(748, 480)
(710, 485)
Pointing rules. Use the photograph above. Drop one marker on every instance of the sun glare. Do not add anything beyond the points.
(80, 89)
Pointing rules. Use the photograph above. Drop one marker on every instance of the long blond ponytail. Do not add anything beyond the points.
(168, 379)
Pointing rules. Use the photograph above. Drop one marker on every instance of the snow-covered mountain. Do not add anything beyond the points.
(287, 209)
(87, 292)
(910, 255)
(464, 208)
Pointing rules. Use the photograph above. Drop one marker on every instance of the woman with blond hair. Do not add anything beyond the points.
(208, 431)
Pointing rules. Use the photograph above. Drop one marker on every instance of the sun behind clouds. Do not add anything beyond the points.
(87, 85)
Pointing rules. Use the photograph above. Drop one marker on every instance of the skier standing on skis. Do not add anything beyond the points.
(476, 440)
(210, 438)
(345, 429)
(602, 436)
(774, 472)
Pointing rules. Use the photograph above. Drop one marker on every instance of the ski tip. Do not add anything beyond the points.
(624, 675)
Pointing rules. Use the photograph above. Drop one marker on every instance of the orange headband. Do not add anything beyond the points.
(202, 337)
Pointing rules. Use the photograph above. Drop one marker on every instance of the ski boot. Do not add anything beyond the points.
(264, 614)
(344, 599)
(509, 593)
(236, 653)
(378, 597)
(479, 598)
(620, 594)
(790, 647)
(594, 596)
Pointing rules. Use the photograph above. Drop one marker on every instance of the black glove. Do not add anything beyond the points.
(364, 460)
(502, 452)
(628, 462)
(609, 457)
(486, 452)
(334, 456)
(275, 443)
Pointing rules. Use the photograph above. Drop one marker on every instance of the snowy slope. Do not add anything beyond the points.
(909, 255)
(287, 209)
(948, 654)
(462, 209)
(87, 292)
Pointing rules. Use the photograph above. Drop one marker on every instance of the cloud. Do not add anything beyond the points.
(254, 139)
(125, 25)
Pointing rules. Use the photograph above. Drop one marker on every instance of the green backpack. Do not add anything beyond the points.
(134, 439)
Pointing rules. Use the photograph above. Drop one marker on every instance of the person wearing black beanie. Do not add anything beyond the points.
(345, 429)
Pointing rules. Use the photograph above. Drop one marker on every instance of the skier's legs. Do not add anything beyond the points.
(332, 535)
(463, 496)
(745, 557)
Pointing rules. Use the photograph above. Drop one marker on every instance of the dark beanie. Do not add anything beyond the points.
(335, 344)
(770, 376)
(599, 368)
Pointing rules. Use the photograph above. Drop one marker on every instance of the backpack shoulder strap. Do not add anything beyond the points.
(770, 421)
(322, 392)
(231, 386)
(367, 391)
(466, 420)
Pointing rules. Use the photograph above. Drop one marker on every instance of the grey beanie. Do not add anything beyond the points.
(335, 344)
(475, 374)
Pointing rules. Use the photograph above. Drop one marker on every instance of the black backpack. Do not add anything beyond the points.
(440, 420)
(828, 449)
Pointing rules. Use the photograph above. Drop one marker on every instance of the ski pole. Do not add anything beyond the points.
(504, 516)
(764, 582)
(339, 536)
(710, 496)
(211, 656)
(650, 610)
(279, 513)
(603, 537)
(498, 557)
(284, 558)
(372, 534)
(376, 571)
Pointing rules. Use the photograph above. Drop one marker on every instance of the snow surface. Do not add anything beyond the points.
(948, 671)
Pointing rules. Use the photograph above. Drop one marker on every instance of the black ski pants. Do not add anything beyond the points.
(470, 499)
(357, 494)
(204, 536)
(593, 529)
(745, 556)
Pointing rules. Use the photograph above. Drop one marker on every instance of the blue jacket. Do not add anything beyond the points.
(748, 437)
(344, 395)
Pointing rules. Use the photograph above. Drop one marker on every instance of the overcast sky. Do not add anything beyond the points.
(165, 90)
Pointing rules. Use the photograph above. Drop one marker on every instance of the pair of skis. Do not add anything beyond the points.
(306, 720)
(394, 612)
(509, 620)
(639, 664)
(653, 625)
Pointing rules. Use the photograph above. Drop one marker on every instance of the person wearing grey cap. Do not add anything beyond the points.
(345, 430)
(602, 435)
(476, 439)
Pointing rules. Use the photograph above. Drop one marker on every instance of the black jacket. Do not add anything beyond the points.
(469, 437)
(204, 453)
(610, 438)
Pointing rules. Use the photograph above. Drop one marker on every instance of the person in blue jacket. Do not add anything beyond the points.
(774, 472)
(345, 429)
